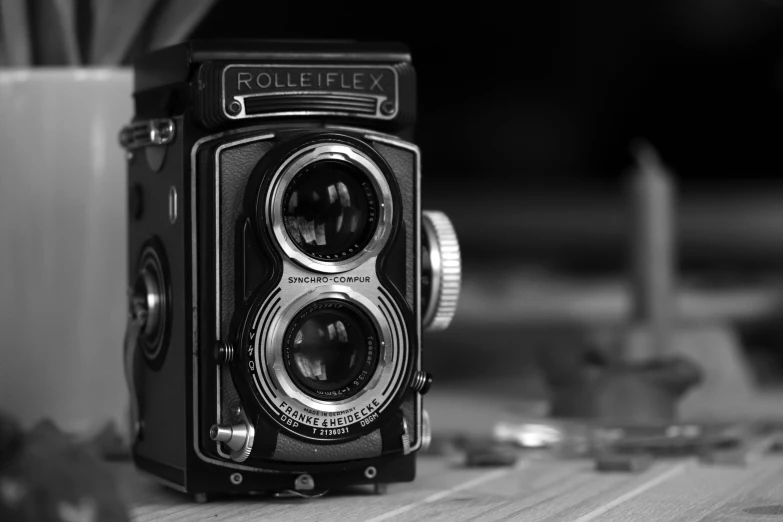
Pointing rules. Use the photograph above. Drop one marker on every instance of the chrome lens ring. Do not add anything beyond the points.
(331, 349)
(382, 375)
(293, 407)
(328, 151)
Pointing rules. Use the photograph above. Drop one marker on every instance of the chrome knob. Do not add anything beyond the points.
(441, 270)
(238, 438)
(426, 431)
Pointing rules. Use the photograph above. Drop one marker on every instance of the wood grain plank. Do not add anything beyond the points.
(526, 503)
(761, 488)
(151, 502)
(536, 490)
(608, 504)
(424, 508)
(696, 494)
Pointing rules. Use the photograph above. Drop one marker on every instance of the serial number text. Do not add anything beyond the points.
(338, 431)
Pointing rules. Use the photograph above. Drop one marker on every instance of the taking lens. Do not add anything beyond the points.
(331, 349)
(330, 210)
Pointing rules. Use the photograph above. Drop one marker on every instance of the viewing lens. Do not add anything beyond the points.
(330, 349)
(330, 210)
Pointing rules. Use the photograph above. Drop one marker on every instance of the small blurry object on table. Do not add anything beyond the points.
(525, 336)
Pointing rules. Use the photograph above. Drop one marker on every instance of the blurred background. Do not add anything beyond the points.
(526, 117)
(527, 113)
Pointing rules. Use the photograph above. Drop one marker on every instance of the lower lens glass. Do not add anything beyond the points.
(331, 349)
(329, 210)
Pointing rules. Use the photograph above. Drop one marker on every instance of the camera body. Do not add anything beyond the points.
(280, 269)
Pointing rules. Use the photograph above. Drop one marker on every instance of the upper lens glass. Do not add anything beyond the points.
(331, 349)
(330, 210)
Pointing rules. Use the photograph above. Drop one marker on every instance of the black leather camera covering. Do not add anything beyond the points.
(237, 163)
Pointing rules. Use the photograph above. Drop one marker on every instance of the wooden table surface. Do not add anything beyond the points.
(539, 488)
(536, 489)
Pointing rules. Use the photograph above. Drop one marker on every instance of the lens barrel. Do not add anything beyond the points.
(330, 349)
(330, 210)
(330, 206)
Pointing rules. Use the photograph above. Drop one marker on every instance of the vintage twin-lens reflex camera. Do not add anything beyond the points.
(281, 270)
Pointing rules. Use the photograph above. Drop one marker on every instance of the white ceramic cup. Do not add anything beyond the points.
(63, 245)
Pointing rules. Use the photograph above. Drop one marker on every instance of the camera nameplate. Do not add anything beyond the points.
(361, 91)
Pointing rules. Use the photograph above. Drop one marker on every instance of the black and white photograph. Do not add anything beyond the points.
(391, 261)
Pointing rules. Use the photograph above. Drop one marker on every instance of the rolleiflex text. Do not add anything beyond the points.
(355, 81)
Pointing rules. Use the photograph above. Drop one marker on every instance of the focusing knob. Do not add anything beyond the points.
(426, 430)
(237, 437)
(441, 270)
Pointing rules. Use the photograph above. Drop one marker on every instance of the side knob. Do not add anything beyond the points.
(441, 270)
(237, 437)
(426, 431)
